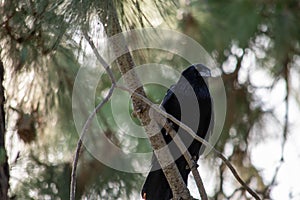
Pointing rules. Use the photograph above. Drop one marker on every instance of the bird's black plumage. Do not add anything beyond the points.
(190, 102)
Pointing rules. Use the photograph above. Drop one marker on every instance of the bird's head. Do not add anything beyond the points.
(195, 71)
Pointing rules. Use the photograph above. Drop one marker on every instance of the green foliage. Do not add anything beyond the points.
(30, 29)
(43, 39)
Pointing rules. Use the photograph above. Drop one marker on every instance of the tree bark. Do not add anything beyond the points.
(4, 169)
(126, 66)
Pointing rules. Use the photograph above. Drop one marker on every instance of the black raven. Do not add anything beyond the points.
(190, 102)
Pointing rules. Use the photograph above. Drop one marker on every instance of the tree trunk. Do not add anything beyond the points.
(126, 64)
(4, 169)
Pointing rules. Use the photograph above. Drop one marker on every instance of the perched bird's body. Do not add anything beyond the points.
(190, 102)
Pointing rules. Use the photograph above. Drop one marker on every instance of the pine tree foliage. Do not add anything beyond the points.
(42, 48)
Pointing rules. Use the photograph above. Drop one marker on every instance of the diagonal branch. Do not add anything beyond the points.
(186, 155)
(191, 132)
(126, 67)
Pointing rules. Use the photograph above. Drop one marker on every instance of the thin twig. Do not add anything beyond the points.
(99, 57)
(191, 132)
(79, 144)
(91, 116)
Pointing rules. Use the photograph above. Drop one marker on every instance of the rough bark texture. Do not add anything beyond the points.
(4, 169)
(126, 64)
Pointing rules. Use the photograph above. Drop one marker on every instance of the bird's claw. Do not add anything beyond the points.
(194, 160)
(194, 163)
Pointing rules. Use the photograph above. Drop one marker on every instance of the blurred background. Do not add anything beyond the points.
(256, 45)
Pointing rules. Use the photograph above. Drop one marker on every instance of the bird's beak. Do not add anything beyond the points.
(203, 70)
